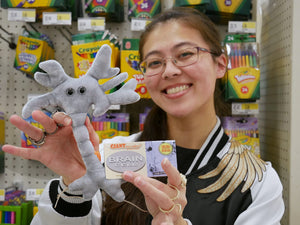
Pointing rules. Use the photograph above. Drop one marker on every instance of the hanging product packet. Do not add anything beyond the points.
(130, 60)
(242, 80)
(244, 130)
(31, 50)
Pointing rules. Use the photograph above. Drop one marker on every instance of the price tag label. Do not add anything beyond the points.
(91, 23)
(139, 24)
(57, 18)
(25, 15)
(2, 194)
(244, 108)
(33, 194)
(241, 27)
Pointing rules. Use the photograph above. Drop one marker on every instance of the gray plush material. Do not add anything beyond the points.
(75, 96)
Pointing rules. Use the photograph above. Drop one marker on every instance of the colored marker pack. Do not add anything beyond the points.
(242, 80)
(244, 130)
(110, 125)
(142, 157)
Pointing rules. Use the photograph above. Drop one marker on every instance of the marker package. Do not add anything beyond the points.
(242, 80)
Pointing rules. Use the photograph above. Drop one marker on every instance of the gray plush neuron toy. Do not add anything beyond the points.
(75, 96)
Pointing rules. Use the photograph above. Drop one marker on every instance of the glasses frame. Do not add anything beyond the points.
(164, 59)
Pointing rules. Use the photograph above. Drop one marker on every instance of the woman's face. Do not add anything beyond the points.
(182, 91)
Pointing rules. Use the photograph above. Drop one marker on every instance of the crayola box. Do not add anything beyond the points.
(84, 55)
(141, 157)
(130, 60)
(190, 2)
(222, 11)
(145, 9)
(33, 4)
(29, 53)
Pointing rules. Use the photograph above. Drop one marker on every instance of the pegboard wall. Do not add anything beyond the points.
(275, 103)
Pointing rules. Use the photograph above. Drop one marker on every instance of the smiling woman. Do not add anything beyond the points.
(217, 181)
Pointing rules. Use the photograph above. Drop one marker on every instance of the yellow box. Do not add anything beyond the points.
(84, 55)
(129, 63)
(29, 54)
(242, 83)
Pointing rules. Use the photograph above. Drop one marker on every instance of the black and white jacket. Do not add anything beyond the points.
(226, 185)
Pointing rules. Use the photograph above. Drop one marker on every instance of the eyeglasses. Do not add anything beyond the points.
(183, 57)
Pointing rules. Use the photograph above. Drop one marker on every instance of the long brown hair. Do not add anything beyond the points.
(155, 126)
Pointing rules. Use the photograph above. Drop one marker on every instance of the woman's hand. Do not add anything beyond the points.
(165, 202)
(59, 152)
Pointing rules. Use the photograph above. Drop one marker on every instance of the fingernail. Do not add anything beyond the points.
(67, 121)
(127, 175)
(139, 181)
(165, 161)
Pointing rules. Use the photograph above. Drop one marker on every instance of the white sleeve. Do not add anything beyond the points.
(267, 206)
(188, 222)
(47, 215)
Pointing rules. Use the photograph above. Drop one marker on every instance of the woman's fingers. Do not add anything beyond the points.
(32, 131)
(62, 119)
(155, 193)
(174, 177)
(94, 138)
(26, 153)
(48, 123)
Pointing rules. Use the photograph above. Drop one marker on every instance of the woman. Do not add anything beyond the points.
(181, 61)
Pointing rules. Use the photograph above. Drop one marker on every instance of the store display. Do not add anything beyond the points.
(15, 209)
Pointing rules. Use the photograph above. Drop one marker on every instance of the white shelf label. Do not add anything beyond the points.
(33, 194)
(24, 15)
(139, 24)
(95, 23)
(244, 108)
(57, 18)
(2, 195)
(241, 27)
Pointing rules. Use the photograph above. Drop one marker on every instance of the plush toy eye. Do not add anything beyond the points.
(70, 91)
(81, 90)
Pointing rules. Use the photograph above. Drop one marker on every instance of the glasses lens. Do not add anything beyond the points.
(151, 66)
(186, 57)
